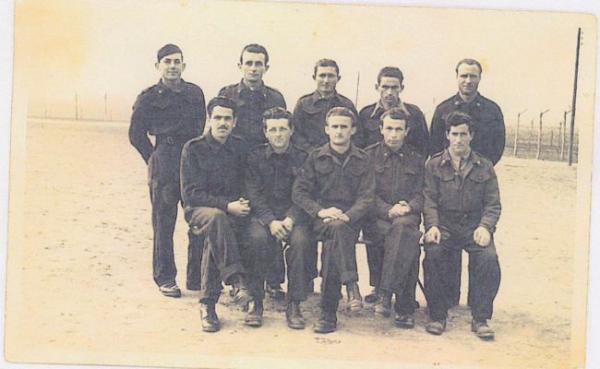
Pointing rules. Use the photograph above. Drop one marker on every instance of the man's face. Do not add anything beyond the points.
(170, 67)
(459, 138)
(221, 122)
(394, 132)
(278, 133)
(326, 78)
(253, 66)
(389, 89)
(468, 78)
(339, 129)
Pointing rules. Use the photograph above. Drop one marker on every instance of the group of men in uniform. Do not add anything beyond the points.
(261, 179)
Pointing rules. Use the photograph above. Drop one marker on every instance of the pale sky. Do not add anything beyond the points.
(96, 47)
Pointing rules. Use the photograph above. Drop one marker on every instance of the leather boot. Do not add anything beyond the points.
(242, 294)
(208, 317)
(254, 317)
(436, 327)
(482, 329)
(384, 306)
(373, 297)
(406, 321)
(327, 322)
(354, 297)
(293, 315)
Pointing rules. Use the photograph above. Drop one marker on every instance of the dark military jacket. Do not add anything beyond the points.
(269, 180)
(251, 104)
(172, 116)
(399, 175)
(458, 201)
(212, 174)
(418, 136)
(489, 130)
(309, 120)
(325, 182)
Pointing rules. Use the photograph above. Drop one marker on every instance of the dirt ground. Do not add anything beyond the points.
(80, 286)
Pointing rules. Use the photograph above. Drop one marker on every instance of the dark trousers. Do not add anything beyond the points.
(165, 196)
(399, 242)
(301, 257)
(454, 278)
(221, 252)
(276, 271)
(338, 259)
(484, 275)
(375, 254)
(165, 199)
(262, 254)
(194, 259)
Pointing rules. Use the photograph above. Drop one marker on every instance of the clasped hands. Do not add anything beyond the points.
(333, 213)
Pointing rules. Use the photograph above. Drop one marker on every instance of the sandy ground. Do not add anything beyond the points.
(80, 286)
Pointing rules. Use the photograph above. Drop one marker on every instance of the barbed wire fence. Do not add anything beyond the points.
(541, 140)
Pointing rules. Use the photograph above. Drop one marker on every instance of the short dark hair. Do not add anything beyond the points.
(469, 62)
(457, 118)
(255, 48)
(395, 113)
(326, 63)
(392, 72)
(277, 113)
(341, 111)
(168, 49)
(221, 101)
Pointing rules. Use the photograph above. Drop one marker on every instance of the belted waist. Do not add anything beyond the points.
(171, 140)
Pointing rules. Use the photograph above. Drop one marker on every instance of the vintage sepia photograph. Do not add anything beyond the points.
(273, 184)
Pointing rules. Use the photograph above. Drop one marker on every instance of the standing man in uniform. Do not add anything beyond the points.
(399, 172)
(253, 97)
(272, 168)
(489, 132)
(173, 111)
(390, 85)
(311, 109)
(212, 176)
(462, 208)
(336, 188)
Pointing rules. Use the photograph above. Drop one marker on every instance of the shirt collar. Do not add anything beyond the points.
(316, 96)
(162, 88)
(241, 87)
(473, 157)
(379, 109)
(326, 150)
(458, 101)
(270, 152)
(216, 145)
(387, 151)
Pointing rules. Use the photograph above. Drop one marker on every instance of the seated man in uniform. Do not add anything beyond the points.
(398, 205)
(462, 208)
(212, 168)
(336, 188)
(390, 83)
(270, 175)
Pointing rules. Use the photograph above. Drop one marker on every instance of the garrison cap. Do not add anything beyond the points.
(168, 49)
